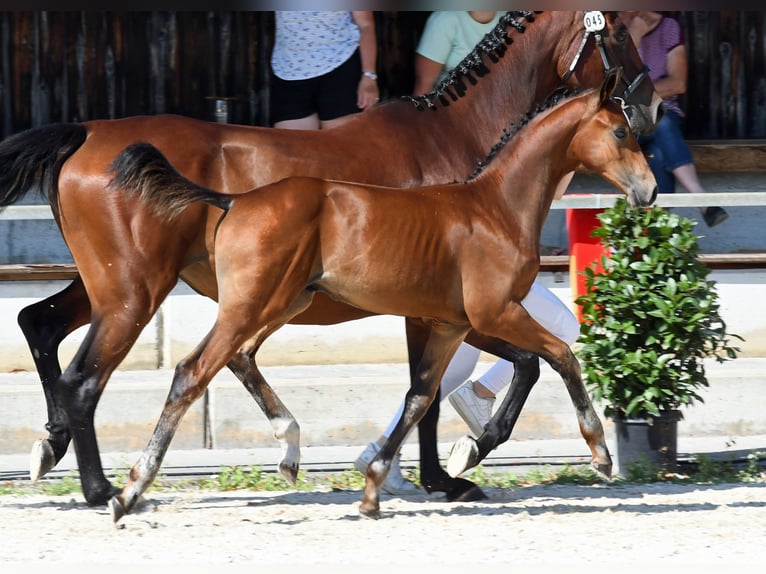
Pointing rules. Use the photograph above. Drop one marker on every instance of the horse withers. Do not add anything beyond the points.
(128, 260)
(467, 256)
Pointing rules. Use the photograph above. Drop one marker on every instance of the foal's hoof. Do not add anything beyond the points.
(604, 470)
(289, 471)
(41, 459)
(465, 491)
(464, 455)
(116, 509)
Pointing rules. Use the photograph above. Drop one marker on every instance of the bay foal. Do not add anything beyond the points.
(459, 256)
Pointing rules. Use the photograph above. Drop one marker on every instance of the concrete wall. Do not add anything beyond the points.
(186, 317)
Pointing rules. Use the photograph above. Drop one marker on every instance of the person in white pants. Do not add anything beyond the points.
(475, 399)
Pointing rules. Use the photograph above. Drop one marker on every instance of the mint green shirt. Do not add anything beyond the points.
(449, 36)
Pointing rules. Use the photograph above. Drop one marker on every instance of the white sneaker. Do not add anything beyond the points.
(474, 410)
(395, 483)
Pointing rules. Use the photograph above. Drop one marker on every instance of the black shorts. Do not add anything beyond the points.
(330, 96)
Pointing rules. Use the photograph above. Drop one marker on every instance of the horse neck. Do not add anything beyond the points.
(522, 78)
(525, 173)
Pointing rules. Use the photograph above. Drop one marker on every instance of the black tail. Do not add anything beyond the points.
(35, 156)
(142, 169)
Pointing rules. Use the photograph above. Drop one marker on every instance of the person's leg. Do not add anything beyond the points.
(308, 123)
(669, 144)
(475, 399)
(292, 104)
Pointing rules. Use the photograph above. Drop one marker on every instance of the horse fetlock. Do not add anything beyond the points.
(288, 432)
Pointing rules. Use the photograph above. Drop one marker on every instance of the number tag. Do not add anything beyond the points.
(594, 21)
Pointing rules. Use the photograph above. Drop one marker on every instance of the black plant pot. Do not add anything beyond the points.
(650, 441)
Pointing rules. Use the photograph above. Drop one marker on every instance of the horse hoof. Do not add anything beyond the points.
(116, 509)
(464, 455)
(604, 470)
(41, 459)
(289, 471)
(466, 491)
(369, 512)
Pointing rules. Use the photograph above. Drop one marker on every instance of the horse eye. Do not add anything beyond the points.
(621, 36)
(620, 133)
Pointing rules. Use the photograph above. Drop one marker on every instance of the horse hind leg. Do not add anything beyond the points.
(45, 324)
(285, 426)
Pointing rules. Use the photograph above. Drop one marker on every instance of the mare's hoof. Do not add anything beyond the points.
(465, 491)
(289, 471)
(41, 459)
(464, 455)
(116, 509)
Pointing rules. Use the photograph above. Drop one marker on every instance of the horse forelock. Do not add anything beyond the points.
(492, 47)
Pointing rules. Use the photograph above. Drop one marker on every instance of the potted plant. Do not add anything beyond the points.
(650, 317)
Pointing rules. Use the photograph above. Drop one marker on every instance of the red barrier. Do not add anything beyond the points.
(584, 250)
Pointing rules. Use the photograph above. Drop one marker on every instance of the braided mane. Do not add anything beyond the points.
(551, 101)
(493, 46)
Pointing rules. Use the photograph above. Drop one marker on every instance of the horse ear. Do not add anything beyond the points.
(610, 83)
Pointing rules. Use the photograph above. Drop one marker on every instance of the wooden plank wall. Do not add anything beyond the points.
(726, 93)
(73, 66)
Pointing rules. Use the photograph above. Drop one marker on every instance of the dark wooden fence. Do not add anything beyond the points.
(74, 66)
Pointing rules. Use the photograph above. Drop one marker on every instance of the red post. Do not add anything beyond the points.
(584, 249)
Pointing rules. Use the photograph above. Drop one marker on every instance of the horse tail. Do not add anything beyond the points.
(32, 159)
(142, 170)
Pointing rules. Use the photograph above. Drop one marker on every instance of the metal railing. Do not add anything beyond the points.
(757, 260)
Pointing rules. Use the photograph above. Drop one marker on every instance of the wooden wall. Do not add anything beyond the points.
(726, 94)
(73, 66)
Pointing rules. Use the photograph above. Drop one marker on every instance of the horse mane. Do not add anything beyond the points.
(493, 46)
(556, 97)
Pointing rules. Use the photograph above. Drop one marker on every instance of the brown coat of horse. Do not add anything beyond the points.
(467, 256)
(128, 261)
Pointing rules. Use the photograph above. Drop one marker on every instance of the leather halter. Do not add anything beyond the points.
(624, 98)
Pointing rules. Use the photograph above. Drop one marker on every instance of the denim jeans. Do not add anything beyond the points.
(666, 150)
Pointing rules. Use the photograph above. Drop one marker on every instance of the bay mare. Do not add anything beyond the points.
(466, 256)
(128, 261)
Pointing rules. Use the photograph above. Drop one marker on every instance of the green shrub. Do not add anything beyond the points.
(650, 316)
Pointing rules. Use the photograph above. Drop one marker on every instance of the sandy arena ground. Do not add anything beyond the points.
(572, 527)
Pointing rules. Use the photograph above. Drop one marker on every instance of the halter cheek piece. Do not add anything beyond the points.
(622, 99)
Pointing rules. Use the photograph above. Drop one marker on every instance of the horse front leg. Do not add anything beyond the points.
(443, 340)
(517, 327)
(44, 325)
(432, 476)
(468, 452)
(286, 429)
